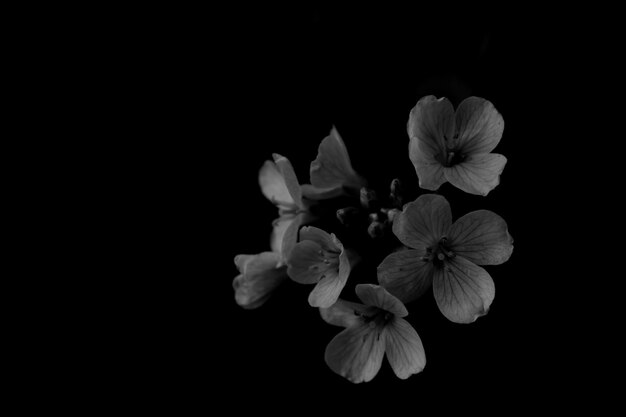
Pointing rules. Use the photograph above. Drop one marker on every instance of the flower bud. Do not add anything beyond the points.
(259, 275)
(368, 198)
(391, 214)
(347, 215)
(396, 194)
(376, 229)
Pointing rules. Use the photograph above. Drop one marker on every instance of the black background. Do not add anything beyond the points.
(229, 88)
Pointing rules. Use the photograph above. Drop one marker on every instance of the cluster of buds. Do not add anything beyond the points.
(377, 213)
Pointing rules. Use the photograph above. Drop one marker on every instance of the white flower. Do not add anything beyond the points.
(446, 256)
(319, 258)
(280, 185)
(455, 147)
(259, 276)
(372, 329)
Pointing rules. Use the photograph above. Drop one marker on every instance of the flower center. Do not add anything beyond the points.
(290, 210)
(451, 155)
(329, 256)
(375, 317)
(439, 253)
(454, 157)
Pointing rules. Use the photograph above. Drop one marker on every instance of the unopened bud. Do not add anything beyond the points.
(376, 229)
(368, 197)
(396, 187)
(391, 214)
(347, 214)
(395, 195)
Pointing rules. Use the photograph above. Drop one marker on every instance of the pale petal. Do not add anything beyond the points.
(259, 278)
(345, 263)
(259, 261)
(285, 235)
(327, 291)
(431, 121)
(377, 296)
(356, 353)
(333, 277)
(463, 290)
(273, 185)
(319, 236)
(344, 313)
(478, 174)
(242, 260)
(404, 348)
(305, 264)
(290, 238)
(479, 126)
(429, 171)
(279, 227)
(405, 275)
(291, 181)
(481, 237)
(423, 222)
(332, 166)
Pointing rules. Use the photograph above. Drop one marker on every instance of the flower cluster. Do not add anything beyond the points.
(429, 250)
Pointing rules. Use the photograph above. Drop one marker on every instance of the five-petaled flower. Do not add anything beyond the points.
(319, 258)
(372, 329)
(447, 256)
(259, 276)
(455, 147)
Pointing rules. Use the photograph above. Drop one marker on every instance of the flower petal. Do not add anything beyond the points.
(344, 260)
(480, 126)
(273, 185)
(356, 353)
(242, 260)
(285, 235)
(478, 174)
(260, 276)
(327, 291)
(305, 261)
(463, 290)
(377, 296)
(291, 181)
(318, 236)
(423, 222)
(405, 275)
(279, 227)
(334, 276)
(290, 238)
(481, 237)
(429, 171)
(431, 121)
(404, 348)
(332, 167)
(344, 313)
